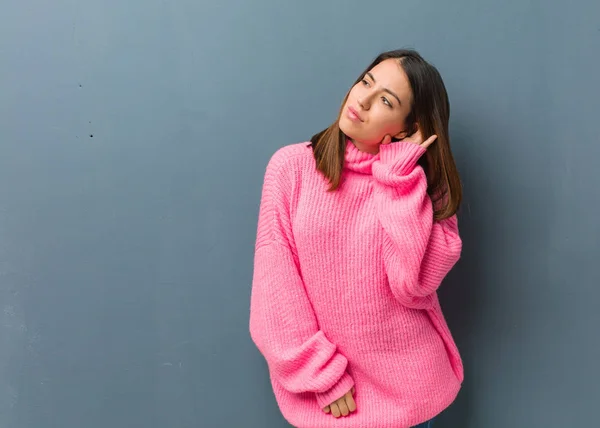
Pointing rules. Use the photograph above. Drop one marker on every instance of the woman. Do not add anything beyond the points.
(356, 232)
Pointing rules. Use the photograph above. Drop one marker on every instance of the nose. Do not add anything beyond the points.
(363, 102)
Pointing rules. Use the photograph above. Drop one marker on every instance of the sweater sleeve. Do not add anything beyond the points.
(282, 322)
(418, 252)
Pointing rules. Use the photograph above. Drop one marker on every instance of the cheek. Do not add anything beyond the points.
(356, 92)
(386, 123)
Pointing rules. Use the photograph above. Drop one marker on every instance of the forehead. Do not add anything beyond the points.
(389, 74)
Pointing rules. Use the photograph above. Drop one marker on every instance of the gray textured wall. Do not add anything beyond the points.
(126, 257)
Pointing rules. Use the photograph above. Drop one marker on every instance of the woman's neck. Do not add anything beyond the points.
(367, 148)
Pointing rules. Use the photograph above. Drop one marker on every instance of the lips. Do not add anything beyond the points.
(353, 114)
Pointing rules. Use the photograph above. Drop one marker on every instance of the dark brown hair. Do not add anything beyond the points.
(430, 109)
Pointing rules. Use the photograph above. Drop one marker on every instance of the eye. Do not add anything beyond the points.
(386, 102)
(365, 82)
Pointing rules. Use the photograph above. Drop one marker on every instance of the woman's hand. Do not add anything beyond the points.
(343, 406)
(417, 138)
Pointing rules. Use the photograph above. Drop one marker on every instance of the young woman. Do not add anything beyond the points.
(356, 232)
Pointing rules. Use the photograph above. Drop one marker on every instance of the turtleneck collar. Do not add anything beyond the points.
(358, 161)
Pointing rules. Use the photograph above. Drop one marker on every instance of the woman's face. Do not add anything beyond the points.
(377, 107)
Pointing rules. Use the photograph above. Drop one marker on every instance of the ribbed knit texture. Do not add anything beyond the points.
(344, 290)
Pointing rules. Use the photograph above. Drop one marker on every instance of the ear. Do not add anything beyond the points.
(400, 135)
(407, 132)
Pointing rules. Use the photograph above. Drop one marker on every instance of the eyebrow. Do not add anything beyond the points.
(385, 89)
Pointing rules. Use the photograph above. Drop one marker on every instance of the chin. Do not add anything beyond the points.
(346, 128)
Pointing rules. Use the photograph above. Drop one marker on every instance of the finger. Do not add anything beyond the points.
(350, 402)
(353, 390)
(429, 141)
(386, 140)
(335, 410)
(326, 409)
(415, 138)
(343, 406)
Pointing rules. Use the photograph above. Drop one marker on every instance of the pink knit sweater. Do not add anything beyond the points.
(344, 290)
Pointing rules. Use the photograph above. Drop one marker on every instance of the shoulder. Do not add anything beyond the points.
(283, 168)
(290, 158)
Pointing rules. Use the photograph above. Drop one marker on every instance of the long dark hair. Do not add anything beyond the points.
(430, 110)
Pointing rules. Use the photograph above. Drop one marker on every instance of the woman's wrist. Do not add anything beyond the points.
(400, 158)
